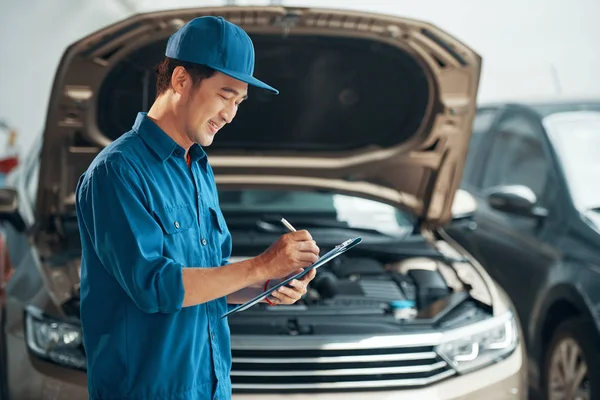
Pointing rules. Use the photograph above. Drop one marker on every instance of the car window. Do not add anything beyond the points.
(576, 139)
(516, 156)
(351, 210)
(481, 125)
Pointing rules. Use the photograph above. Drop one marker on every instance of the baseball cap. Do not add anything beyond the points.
(218, 44)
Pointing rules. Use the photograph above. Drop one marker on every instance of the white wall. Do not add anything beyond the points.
(521, 42)
(33, 35)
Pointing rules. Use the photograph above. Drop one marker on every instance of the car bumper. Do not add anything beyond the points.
(32, 378)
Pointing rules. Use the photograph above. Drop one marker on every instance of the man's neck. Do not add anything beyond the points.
(162, 113)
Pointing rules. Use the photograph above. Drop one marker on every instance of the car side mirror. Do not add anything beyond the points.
(9, 208)
(515, 199)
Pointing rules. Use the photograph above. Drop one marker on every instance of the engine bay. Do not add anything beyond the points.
(374, 288)
(360, 292)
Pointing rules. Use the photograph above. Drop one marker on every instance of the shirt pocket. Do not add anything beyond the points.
(180, 239)
(217, 220)
(220, 234)
(175, 220)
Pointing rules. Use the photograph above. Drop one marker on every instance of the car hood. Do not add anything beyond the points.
(369, 105)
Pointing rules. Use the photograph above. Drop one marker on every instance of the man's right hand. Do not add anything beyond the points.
(291, 251)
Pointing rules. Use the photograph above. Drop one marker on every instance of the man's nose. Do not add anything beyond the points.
(228, 113)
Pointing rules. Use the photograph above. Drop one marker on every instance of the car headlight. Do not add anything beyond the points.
(473, 347)
(54, 340)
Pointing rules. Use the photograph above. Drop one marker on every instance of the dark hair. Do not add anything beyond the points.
(165, 69)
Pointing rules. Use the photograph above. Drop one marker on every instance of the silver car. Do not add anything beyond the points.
(367, 138)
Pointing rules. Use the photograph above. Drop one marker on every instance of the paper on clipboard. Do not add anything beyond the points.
(330, 255)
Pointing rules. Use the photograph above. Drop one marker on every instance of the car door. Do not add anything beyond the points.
(516, 250)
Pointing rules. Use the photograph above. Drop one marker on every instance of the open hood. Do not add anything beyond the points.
(369, 105)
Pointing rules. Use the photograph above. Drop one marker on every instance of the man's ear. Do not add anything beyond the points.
(180, 80)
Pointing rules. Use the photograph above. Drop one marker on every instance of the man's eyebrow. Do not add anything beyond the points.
(235, 92)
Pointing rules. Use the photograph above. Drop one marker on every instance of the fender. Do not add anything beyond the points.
(569, 293)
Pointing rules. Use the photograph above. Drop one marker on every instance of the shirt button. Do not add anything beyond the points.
(203, 242)
(212, 336)
(176, 224)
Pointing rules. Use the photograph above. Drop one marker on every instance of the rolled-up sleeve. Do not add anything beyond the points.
(226, 247)
(127, 239)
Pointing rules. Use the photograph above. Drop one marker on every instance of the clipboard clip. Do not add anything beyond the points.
(346, 243)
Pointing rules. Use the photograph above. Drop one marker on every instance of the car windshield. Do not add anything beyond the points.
(576, 138)
(323, 209)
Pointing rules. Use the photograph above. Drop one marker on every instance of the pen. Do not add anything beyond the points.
(288, 225)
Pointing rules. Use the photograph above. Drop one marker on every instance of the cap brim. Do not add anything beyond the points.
(249, 79)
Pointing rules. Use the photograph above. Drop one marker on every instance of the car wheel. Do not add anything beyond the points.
(571, 361)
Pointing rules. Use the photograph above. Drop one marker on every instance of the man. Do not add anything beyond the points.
(155, 278)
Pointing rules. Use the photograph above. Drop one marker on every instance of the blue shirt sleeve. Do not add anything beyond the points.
(226, 249)
(127, 239)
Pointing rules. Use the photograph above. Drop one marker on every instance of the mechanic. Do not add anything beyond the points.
(155, 276)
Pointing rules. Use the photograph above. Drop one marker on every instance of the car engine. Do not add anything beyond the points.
(367, 284)
(363, 294)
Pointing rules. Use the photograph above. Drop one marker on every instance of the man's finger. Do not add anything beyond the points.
(309, 277)
(299, 284)
(308, 257)
(309, 246)
(283, 298)
(294, 294)
(300, 236)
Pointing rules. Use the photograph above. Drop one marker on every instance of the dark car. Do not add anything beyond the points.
(367, 138)
(534, 170)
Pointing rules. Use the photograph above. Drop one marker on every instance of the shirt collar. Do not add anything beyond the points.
(161, 143)
(197, 153)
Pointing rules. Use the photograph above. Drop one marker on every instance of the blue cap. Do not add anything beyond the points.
(218, 44)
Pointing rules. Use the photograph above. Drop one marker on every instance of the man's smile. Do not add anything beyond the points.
(214, 128)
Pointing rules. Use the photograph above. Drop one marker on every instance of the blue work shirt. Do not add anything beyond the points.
(144, 214)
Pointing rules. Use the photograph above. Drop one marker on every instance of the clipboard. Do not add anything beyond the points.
(330, 255)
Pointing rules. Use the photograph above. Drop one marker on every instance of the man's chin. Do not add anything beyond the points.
(205, 140)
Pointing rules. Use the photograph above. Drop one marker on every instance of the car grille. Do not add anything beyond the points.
(331, 368)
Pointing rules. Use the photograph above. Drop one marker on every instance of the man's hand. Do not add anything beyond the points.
(290, 295)
(291, 252)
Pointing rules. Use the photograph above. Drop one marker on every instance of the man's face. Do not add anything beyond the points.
(211, 105)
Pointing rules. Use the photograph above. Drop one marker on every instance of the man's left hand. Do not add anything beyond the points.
(294, 291)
